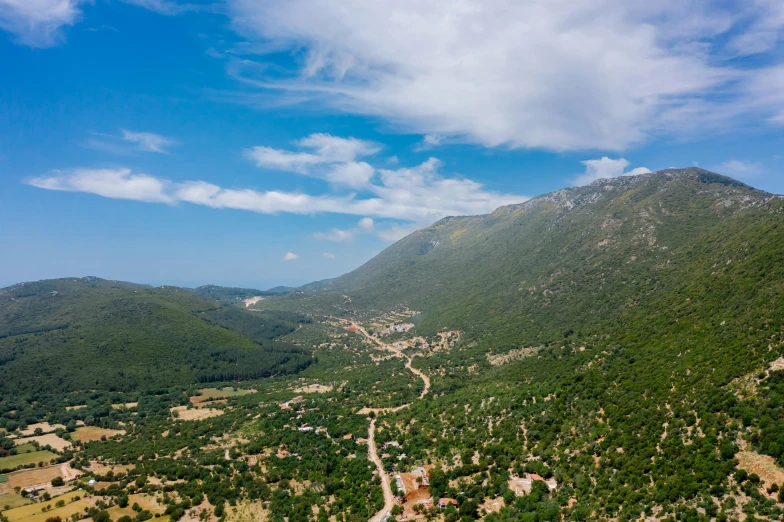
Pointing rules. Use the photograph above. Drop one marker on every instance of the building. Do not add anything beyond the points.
(444, 502)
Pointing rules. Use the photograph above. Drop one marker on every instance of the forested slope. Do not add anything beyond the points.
(76, 334)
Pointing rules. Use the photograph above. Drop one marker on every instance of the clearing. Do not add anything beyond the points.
(127, 405)
(50, 439)
(763, 465)
(218, 393)
(93, 433)
(45, 427)
(183, 413)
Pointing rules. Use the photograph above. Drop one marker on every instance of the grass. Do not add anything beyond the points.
(12, 501)
(24, 459)
(26, 448)
(33, 513)
(145, 501)
(93, 433)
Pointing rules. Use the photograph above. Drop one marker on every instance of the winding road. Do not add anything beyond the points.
(389, 498)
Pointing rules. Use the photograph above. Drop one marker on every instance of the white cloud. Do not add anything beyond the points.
(290, 256)
(324, 149)
(39, 23)
(327, 255)
(109, 183)
(335, 235)
(606, 168)
(562, 75)
(366, 224)
(416, 195)
(740, 169)
(147, 141)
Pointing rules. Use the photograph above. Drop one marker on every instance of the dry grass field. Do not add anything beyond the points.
(208, 394)
(93, 433)
(183, 413)
(49, 439)
(32, 512)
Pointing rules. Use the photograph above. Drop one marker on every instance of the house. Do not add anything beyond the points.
(361, 441)
(393, 443)
(444, 502)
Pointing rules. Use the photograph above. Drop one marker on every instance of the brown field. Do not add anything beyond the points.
(127, 405)
(45, 426)
(49, 439)
(11, 501)
(30, 477)
(72, 408)
(218, 393)
(33, 513)
(93, 433)
(103, 469)
(246, 512)
(314, 388)
(147, 502)
(183, 413)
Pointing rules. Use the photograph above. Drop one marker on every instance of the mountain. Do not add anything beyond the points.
(578, 259)
(89, 333)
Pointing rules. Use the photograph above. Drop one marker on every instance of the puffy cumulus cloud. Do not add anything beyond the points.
(148, 141)
(606, 168)
(561, 75)
(39, 23)
(290, 256)
(416, 196)
(740, 169)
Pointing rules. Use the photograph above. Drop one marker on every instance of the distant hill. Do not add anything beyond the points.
(89, 333)
(233, 295)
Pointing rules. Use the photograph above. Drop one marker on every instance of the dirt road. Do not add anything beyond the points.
(389, 499)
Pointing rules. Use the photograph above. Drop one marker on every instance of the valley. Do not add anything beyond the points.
(611, 352)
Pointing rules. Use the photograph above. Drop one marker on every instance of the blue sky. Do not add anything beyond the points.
(257, 143)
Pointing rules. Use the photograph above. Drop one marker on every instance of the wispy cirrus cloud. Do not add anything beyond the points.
(560, 75)
(129, 142)
(416, 195)
(39, 23)
(740, 169)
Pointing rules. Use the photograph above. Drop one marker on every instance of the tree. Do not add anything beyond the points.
(58, 481)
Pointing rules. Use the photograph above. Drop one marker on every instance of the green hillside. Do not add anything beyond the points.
(579, 259)
(78, 334)
(234, 295)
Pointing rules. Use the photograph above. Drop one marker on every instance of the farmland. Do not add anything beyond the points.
(25, 459)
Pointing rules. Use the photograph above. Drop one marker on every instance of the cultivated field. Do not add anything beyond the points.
(183, 413)
(33, 513)
(93, 433)
(218, 393)
(31, 477)
(12, 500)
(49, 439)
(24, 459)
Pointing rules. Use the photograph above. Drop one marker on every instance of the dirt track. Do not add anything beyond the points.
(389, 499)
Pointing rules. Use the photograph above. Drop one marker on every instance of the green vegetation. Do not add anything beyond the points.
(26, 459)
(77, 334)
(616, 340)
